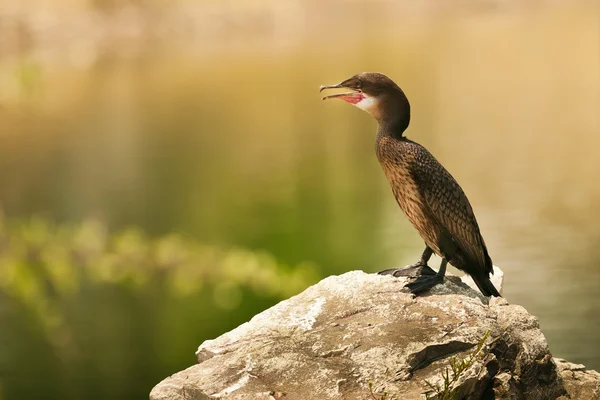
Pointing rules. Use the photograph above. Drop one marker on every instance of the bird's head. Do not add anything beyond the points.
(376, 94)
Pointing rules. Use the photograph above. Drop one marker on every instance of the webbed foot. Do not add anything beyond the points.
(424, 283)
(413, 271)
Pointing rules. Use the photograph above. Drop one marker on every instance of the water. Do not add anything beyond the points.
(226, 142)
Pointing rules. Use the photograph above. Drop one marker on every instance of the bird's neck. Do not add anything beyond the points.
(393, 118)
(392, 128)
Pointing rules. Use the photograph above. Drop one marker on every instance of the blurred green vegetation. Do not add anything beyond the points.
(112, 314)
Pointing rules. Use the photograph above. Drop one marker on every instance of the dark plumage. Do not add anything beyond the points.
(429, 196)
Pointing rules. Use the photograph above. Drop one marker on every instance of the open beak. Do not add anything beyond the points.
(351, 97)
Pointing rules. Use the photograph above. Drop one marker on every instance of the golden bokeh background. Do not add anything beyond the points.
(167, 169)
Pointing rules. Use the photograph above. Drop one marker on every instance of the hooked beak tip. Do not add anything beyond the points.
(323, 87)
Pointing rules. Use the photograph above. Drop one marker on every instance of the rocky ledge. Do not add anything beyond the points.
(358, 336)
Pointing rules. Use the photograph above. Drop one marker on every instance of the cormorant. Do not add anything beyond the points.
(429, 196)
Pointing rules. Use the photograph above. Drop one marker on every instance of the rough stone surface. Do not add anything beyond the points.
(581, 384)
(334, 338)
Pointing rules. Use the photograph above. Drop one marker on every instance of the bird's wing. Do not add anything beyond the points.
(448, 205)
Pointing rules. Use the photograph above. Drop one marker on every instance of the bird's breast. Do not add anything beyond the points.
(403, 186)
(396, 167)
(405, 189)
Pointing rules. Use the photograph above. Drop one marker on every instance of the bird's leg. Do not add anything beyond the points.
(424, 283)
(417, 269)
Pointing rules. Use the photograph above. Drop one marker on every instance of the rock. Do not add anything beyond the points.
(333, 339)
(579, 383)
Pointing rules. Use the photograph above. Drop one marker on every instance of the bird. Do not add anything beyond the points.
(427, 193)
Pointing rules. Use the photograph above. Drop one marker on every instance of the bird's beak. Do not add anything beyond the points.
(350, 97)
(323, 87)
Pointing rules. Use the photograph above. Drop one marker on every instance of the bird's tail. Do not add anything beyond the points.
(485, 285)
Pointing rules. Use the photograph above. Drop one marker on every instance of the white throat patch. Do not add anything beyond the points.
(368, 103)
